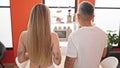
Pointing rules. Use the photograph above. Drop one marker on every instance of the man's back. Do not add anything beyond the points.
(87, 45)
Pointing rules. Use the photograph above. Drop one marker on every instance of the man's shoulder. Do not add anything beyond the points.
(100, 30)
(73, 34)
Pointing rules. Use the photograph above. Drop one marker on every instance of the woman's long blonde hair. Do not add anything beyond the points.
(39, 35)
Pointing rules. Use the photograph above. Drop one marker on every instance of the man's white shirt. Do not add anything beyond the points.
(87, 45)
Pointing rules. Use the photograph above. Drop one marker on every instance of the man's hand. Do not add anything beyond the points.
(69, 62)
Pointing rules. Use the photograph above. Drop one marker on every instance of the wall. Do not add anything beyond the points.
(20, 11)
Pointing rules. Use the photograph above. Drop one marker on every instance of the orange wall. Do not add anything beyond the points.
(92, 1)
(20, 11)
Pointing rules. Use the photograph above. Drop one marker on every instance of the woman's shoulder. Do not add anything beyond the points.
(24, 33)
(23, 37)
(54, 35)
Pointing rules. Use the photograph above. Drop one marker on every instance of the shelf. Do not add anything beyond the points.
(72, 25)
(64, 23)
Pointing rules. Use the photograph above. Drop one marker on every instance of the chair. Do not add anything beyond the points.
(109, 62)
(2, 53)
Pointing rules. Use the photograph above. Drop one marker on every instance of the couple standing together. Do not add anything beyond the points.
(39, 48)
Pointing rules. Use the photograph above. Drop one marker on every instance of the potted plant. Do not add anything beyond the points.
(113, 39)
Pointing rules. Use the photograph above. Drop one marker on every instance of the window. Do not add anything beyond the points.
(107, 3)
(107, 15)
(60, 5)
(5, 23)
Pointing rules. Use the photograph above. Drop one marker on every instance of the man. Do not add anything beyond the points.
(88, 44)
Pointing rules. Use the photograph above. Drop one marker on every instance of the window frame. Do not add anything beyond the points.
(64, 6)
(9, 48)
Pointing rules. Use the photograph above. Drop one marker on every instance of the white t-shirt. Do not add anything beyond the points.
(87, 45)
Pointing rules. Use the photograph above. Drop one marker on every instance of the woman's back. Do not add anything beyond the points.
(54, 46)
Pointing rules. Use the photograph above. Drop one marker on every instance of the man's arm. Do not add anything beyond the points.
(71, 54)
(105, 48)
(69, 62)
(104, 53)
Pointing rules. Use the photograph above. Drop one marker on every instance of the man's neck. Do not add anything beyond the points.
(86, 23)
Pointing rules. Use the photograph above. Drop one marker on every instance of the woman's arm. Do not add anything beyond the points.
(56, 50)
(21, 54)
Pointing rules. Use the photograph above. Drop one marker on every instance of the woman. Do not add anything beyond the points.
(38, 44)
